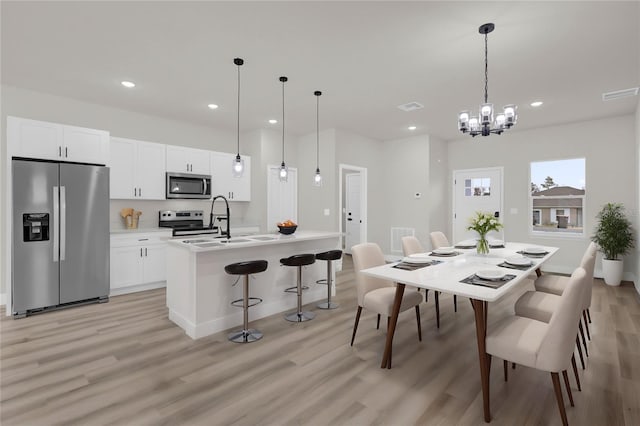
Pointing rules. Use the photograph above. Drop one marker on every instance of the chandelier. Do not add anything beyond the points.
(482, 124)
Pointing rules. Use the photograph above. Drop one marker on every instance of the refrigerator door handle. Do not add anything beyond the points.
(63, 221)
(56, 223)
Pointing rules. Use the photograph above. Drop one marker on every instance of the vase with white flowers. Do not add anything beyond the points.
(483, 223)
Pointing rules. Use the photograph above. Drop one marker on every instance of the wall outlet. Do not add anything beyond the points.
(327, 212)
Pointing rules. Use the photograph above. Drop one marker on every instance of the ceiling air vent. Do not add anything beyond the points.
(411, 106)
(609, 96)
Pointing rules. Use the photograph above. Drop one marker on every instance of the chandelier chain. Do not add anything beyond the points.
(486, 69)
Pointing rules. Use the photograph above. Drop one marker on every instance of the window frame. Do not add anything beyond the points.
(533, 233)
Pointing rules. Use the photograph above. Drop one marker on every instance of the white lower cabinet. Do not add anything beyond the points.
(138, 261)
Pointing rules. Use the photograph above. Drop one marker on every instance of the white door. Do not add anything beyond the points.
(36, 139)
(122, 184)
(199, 161)
(475, 190)
(150, 171)
(155, 265)
(282, 198)
(353, 209)
(85, 145)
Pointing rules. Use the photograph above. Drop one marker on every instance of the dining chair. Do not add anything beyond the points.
(376, 294)
(438, 239)
(541, 303)
(543, 346)
(411, 245)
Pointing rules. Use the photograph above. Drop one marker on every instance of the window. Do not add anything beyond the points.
(477, 187)
(557, 196)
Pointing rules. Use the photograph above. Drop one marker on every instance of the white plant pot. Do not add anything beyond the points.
(612, 271)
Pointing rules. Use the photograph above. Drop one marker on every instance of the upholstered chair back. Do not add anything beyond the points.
(588, 263)
(438, 239)
(411, 245)
(558, 343)
(367, 255)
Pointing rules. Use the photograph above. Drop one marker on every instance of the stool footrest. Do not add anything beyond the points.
(294, 290)
(239, 303)
(322, 281)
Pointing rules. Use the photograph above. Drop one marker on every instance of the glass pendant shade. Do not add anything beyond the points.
(238, 166)
(317, 178)
(486, 113)
(284, 172)
(463, 121)
(474, 124)
(510, 114)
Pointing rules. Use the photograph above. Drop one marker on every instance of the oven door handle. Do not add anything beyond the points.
(204, 182)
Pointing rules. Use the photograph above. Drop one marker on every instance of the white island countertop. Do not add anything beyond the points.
(203, 243)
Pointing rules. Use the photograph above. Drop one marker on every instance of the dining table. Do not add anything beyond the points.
(482, 278)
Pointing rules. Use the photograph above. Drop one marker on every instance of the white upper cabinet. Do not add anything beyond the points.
(52, 141)
(181, 159)
(223, 182)
(137, 170)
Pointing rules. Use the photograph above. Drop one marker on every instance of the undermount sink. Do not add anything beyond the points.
(239, 240)
(265, 238)
(210, 244)
(196, 241)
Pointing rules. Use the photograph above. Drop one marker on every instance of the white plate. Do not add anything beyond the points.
(496, 243)
(416, 260)
(445, 250)
(490, 274)
(534, 250)
(467, 243)
(419, 256)
(518, 261)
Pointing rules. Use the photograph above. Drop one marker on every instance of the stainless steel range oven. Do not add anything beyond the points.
(185, 222)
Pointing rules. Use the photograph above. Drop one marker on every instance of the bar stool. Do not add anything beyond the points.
(329, 256)
(299, 260)
(246, 335)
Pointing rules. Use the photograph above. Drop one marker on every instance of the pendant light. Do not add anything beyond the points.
(238, 163)
(484, 124)
(284, 172)
(317, 178)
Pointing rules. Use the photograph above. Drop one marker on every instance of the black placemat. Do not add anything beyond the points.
(475, 280)
(454, 254)
(408, 266)
(510, 266)
(496, 246)
(535, 256)
(464, 247)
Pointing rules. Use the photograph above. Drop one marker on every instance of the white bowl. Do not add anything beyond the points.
(534, 250)
(445, 250)
(518, 261)
(490, 274)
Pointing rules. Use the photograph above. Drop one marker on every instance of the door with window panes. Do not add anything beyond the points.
(475, 190)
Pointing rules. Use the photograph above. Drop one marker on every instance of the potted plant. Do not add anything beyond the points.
(615, 238)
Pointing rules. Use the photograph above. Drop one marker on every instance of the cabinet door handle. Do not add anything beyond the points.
(135, 192)
(59, 151)
(139, 192)
(66, 151)
(145, 252)
(140, 251)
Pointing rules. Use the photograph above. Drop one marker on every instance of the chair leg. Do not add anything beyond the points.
(388, 323)
(426, 295)
(378, 323)
(589, 315)
(575, 371)
(580, 352)
(586, 323)
(355, 326)
(558, 390)
(505, 364)
(418, 320)
(455, 303)
(584, 340)
(566, 385)
(513, 365)
(489, 357)
(437, 293)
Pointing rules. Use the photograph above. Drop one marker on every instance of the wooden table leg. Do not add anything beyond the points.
(386, 358)
(538, 272)
(480, 309)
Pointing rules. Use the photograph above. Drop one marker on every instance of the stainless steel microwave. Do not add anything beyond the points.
(185, 185)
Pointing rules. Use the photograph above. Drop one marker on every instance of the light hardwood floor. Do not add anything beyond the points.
(125, 363)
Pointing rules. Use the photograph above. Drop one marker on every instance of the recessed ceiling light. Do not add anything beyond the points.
(412, 127)
(212, 106)
(128, 84)
(272, 121)
(536, 104)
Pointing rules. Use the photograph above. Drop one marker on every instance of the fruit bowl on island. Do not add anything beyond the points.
(287, 227)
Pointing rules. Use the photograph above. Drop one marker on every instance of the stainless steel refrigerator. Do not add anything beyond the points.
(60, 251)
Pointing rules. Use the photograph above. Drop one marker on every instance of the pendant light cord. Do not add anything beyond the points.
(486, 69)
(318, 132)
(283, 121)
(238, 133)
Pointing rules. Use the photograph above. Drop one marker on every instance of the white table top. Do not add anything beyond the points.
(445, 277)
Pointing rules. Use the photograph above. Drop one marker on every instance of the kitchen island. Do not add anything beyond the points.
(199, 291)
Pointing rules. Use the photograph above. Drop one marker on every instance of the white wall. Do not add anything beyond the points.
(609, 147)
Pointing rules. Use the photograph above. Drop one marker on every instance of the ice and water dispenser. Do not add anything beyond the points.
(35, 227)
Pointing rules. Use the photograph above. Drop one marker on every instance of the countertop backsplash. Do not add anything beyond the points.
(150, 209)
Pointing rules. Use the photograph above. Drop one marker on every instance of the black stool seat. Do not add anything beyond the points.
(329, 255)
(299, 260)
(248, 267)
